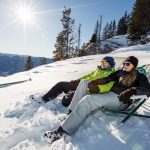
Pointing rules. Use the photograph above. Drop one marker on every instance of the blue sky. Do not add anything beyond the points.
(36, 36)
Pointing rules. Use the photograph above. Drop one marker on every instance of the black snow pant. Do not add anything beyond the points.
(66, 87)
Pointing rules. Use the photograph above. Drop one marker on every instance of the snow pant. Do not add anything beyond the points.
(88, 104)
(59, 88)
(81, 91)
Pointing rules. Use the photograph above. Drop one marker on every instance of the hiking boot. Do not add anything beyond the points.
(52, 136)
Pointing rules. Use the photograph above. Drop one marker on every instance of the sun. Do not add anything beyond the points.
(25, 15)
(24, 12)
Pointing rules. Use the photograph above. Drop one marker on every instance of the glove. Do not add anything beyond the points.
(93, 88)
(94, 82)
(97, 82)
(125, 95)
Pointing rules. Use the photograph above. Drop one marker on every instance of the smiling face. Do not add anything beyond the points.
(128, 66)
(104, 64)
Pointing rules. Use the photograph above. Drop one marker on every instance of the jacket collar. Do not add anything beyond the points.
(107, 69)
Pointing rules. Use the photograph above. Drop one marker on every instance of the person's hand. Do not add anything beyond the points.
(125, 95)
(98, 82)
(94, 82)
(93, 89)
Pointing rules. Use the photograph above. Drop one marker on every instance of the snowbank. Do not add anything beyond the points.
(23, 122)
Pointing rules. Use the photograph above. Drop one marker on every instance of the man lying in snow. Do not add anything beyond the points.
(128, 82)
(106, 68)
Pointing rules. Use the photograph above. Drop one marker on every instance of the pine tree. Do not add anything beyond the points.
(43, 61)
(72, 43)
(110, 30)
(114, 28)
(96, 29)
(59, 53)
(68, 29)
(99, 30)
(93, 38)
(79, 37)
(28, 64)
(122, 27)
(140, 19)
(105, 32)
(127, 18)
(96, 36)
(82, 51)
(65, 40)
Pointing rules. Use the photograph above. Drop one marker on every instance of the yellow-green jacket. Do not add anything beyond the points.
(100, 73)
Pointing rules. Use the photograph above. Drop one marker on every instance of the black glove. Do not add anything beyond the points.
(98, 82)
(94, 82)
(93, 88)
(125, 95)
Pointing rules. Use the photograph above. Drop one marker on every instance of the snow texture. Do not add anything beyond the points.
(23, 122)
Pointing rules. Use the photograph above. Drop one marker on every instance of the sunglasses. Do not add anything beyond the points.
(103, 61)
(126, 64)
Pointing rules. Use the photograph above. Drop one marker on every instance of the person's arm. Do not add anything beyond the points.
(105, 84)
(86, 76)
(105, 87)
(144, 86)
(112, 77)
(100, 88)
(142, 89)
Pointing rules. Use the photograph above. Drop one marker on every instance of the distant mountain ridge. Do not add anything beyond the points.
(12, 63)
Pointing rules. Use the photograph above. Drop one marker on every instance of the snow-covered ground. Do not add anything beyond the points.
(116, 42)
(23, 122)
(121, 40)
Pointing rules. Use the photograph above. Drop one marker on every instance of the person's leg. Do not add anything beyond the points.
(88, 104)
(59, 88)
(80, 92)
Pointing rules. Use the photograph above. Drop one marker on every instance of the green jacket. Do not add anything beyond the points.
(100, 73)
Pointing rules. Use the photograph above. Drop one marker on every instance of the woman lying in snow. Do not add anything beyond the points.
(128, 82)
(106, 68)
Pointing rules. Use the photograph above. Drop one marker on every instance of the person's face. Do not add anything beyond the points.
(128, 66)
(104, 64)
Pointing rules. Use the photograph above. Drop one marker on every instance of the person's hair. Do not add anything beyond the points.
(129, 78)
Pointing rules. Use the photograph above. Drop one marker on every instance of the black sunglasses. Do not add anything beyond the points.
(127, 64)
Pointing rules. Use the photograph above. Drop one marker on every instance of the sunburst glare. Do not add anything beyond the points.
(24, 12)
